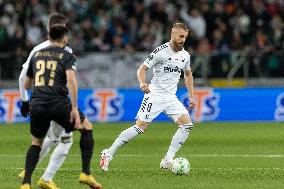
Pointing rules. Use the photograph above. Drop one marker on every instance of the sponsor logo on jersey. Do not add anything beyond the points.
(168, 69)
(104, 105)
(207, 105)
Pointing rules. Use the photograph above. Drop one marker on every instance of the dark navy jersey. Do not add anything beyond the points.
(47, 68)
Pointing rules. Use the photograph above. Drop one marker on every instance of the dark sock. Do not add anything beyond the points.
(86, 146)
(31, 161)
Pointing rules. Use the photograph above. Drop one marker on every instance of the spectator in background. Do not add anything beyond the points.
(141, 25)
(220, 59)
(34, 32)
(236, 43)
(3, 37)
(240, 24)
(259, 52)
(88, 33)
(195, 21)
(158, 12)
(77, 42)
(260, 18)
(276, 34)
(9, 19)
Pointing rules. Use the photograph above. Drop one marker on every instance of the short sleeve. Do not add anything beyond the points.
(71, 63)
(151, 60)
(26, 64)
(30, 68)
(187, 65)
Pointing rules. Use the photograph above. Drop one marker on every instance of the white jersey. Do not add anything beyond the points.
(39, 47)
(167, 65)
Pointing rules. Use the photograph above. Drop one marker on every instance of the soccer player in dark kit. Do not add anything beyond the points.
(51, 75)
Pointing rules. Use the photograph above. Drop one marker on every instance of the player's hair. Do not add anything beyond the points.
(57, 18)
(180, 25)
(57, 32)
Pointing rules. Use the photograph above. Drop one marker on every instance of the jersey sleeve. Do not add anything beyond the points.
(71, 63)
(187, 65)
(30, 68)
(151, 60)
(22, 77)
(26, 64)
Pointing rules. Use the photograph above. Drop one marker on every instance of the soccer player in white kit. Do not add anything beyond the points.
(167, 60)
(56, 135)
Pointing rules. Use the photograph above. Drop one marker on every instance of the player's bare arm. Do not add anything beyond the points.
(189, 84)
(72, 86)
(141, 72)
(28, 83)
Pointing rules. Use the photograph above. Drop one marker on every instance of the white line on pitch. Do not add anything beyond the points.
(152, 169)
(190, 155)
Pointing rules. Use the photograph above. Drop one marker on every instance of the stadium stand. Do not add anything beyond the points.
(218, 28)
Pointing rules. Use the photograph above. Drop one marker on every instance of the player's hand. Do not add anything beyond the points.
(144, 87)
(75, 118)
(25, 108)
(191, 103)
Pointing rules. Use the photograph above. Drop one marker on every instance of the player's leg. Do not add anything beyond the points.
(38, 127)
(62, 114)
(124, 137)
(128, 134)
(149, 109)
(52, 138)
(86, 147)
(57, 158)
(179, 114)
(32, 158)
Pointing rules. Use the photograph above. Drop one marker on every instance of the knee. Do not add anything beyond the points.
(183, 119)
(87, 125)
(67, 139)
(142, 125)
(37, 141)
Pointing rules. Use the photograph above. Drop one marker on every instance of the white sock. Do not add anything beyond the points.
(46, 146)
(178, 139)
(124, 137)
(56, 160)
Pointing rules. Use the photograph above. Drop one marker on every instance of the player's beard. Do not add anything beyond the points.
(178, 46)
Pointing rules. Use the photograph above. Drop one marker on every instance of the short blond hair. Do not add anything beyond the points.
(180, 25)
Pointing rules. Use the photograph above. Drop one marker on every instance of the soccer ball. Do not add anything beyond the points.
(180, 166)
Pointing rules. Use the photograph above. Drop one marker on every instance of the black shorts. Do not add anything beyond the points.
(57, 110)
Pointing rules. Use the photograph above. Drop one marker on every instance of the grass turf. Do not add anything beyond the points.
(222, 155)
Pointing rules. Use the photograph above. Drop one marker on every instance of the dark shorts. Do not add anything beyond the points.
(57, 110)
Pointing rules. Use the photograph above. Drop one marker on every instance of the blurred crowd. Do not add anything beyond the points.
(217, 28)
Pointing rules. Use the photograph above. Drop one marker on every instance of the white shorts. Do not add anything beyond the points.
(56, 133)
(152, 106)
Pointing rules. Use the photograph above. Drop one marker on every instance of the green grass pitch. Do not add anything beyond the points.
(222, 155)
